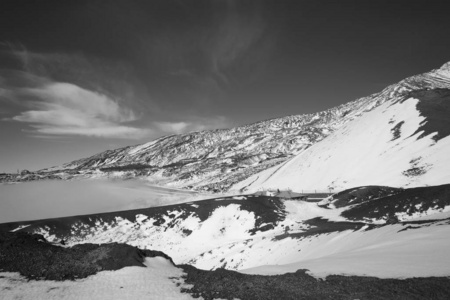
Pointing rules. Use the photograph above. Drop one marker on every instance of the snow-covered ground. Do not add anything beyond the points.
(306, 236)
(386, 252)
(252, 235)
(158, 280)
(381, 147)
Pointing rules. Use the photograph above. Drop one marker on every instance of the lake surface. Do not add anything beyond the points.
(52, 199)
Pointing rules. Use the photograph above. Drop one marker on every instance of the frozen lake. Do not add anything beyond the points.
(52, 199)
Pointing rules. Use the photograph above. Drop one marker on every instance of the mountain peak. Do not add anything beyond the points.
(443, 71)
(445, 67)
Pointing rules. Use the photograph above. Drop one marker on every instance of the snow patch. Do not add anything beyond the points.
(387, 252)
(158, 280)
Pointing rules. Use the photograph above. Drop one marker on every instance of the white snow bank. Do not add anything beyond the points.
(383, 252)
(302, 210)
(433, 213)
(225, 225)
(152, 282)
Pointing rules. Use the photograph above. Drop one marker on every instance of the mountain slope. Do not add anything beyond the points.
(399, 143)
(215, 160)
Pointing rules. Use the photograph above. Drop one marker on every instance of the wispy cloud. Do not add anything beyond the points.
(59, 95)
(67, 109)
(53, 109)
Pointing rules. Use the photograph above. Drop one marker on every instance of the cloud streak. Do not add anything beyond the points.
(61, 94)
(62, 103)
(67, 109)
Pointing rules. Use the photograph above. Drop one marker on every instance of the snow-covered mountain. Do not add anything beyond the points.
(386, 228)
(403, 143)
(342, 137)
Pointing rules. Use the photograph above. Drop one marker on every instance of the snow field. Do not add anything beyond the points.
(386, 252)
(183, 240)
(364, 152)
(224, 239)
(151, 282)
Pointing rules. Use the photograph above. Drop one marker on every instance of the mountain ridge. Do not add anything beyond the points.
(403, 143)
(217, 160)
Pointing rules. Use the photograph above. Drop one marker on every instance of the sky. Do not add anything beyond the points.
(80, 77)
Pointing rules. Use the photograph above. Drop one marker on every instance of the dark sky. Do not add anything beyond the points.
(79, 77)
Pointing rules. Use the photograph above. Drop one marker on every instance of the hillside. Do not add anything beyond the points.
(361, 231)
(219, 159)
(403, 143)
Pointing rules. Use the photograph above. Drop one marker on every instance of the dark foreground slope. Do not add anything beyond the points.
(226, 284)
(35, 258)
